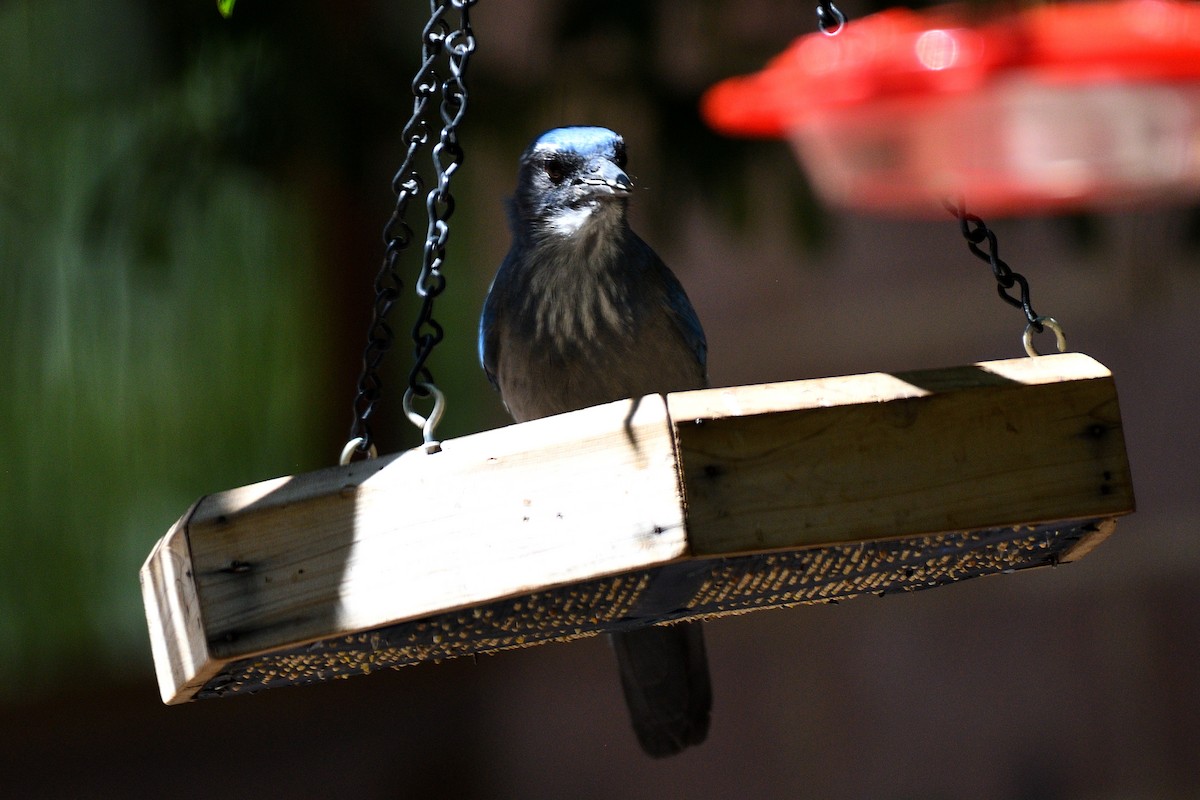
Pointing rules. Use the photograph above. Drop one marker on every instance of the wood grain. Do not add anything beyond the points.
(781, 466)
(173, 615)
(491, 515)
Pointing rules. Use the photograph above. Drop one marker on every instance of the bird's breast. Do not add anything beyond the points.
(596, 362)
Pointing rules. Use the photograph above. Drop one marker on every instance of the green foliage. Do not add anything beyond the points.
(159, 325)
(226, 7)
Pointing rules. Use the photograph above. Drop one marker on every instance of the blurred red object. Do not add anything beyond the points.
(1059, 107)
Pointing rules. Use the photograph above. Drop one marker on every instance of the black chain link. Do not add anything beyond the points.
(439, 205)
(458, 44)
(975, 232)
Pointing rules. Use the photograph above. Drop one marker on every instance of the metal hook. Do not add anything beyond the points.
(426, 423)
(353, 446)
(825, 10)
(1048, 322)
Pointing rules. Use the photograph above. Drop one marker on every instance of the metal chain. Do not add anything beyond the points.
(976, 232)
(830, 18)
(436, 37)
(439, 204)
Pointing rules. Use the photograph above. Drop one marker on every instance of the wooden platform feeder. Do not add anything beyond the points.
(694, 505)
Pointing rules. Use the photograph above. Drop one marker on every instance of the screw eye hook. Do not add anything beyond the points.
(1046, 322)
(353, 446)
(427, 424)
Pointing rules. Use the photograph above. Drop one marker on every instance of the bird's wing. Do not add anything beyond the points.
(682, 313)
(489, 334)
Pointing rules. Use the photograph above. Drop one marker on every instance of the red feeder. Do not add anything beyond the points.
(1058, 107)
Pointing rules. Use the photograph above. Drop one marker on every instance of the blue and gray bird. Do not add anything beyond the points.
(583, 312)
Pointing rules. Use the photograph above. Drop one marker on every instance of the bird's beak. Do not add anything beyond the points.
(606, 178)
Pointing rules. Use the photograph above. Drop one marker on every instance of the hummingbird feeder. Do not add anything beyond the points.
(1057, 107)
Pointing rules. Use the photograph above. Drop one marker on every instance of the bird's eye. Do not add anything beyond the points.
(619, 156)
(556, 170)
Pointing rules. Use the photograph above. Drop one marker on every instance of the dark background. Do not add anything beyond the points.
(190, 216)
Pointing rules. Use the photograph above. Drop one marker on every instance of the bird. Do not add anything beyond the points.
(582, 312)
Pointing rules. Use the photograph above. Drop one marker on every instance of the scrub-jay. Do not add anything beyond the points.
(583, 312)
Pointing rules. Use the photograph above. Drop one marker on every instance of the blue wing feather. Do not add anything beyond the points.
(682, 313)
(489, 336)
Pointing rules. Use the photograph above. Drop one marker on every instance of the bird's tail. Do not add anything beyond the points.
(664, 673)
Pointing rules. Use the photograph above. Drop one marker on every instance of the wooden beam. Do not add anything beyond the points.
(780, 466)
(177, 634)
(492, 515)
(700, 504)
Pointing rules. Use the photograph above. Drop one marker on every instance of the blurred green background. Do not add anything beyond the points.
(190, 218)
(162, 324)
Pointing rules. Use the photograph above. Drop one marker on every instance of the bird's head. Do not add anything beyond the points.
(570, 180)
